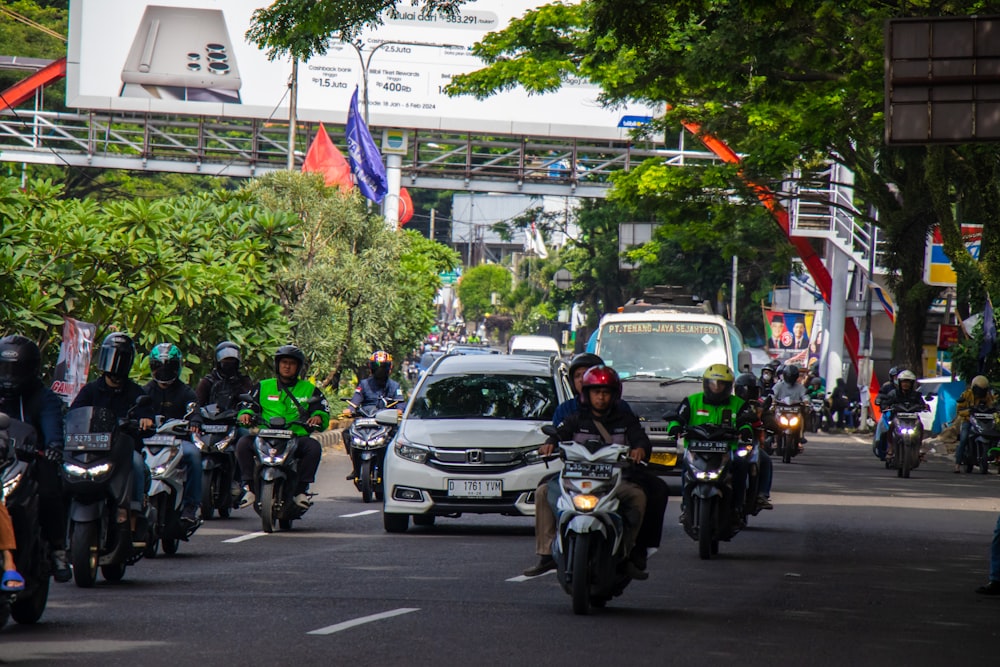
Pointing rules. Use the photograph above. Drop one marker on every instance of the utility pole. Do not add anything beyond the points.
(430, 233)
(293, 86)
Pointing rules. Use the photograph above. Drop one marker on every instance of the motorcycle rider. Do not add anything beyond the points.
(905, 394)
(789, 392)
(879, 443)
(978, 392)
(225, 383)
(746, 387)
(116, 392)
(600, 410)
(171, 396)
(286, 396)
(24, 397)
(767, 375)
(369, 392)
(716, 404)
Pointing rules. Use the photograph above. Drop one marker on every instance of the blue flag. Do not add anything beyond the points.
(989, 333)
(362, 153)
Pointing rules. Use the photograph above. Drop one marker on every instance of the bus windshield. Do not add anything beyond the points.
(662, 349)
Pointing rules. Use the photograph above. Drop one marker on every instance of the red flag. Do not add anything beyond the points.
(405, 206)
(325, 158)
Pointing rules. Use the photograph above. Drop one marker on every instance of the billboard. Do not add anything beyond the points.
(938, 270)
(190, 57)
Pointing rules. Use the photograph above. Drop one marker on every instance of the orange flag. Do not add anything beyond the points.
(325, 158)
(405, 206)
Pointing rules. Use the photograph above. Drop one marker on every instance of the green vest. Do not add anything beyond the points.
(275, 402)
(703, 413)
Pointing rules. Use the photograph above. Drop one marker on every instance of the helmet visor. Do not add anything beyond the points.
(114, 361)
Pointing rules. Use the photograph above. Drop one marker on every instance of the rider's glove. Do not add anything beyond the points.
(53, 455)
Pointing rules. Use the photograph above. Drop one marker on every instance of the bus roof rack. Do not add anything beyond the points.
(667, 297)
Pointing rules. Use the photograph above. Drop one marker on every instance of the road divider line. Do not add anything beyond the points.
(346, 625)
(518, 579)
(244, 538)
(366, 512)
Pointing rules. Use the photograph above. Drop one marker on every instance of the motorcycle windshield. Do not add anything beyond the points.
(90, 420)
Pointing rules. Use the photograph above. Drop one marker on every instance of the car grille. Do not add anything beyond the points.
(473, 461)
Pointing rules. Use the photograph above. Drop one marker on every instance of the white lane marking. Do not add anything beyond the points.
(518, 579)
(330, 629)
(244, 538)
(348, 516)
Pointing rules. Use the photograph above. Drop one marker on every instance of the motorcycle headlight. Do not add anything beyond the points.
(585, 502)
(274, 457)
(411, 452)
(707, 475)
(80, 471)
(744, 451)
(356, 441)
(158, 470)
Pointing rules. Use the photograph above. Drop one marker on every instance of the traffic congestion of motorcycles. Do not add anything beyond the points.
(136, 475)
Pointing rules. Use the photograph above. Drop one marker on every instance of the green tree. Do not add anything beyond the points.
(477, 288)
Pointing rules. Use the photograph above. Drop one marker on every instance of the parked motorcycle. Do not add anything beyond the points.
(18, 453)
(905, 435)
(276, 470)
(711, 515)
(97, 473)
(983, 438)
(369, 440)
(164, 454)
(786, 440)
(216, 438)
(589, 543)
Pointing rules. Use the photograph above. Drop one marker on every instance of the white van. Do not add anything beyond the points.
(539, 346)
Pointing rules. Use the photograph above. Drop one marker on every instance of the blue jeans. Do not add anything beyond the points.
(192, 486)
(963, 441)
(995, 553)
(765, 470)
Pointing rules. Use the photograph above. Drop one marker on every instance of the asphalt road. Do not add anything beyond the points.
(853, 567)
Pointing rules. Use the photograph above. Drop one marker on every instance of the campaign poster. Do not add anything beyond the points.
(74, 358)
(793, 337)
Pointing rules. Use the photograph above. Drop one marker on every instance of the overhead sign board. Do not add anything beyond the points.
(191, 57)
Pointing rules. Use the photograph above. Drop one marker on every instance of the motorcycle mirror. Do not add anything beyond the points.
(143, 400)
(388, 417)
(670, 415)
(549, 429)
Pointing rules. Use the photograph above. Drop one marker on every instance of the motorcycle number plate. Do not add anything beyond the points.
(275, 433)
(585, 469)
(709, 446)
(215, 428)
(159, 440)
(88, 441)
(365, 422)
(475, 488)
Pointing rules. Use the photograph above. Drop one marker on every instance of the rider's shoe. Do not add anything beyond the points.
(764, 503)
(190, 514)
(248, 498)
(303, 500)
(60, 566)
(544, 564)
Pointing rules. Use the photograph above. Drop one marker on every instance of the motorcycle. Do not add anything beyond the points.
(711, 515)
(276, 470)
(983, 439)
(369, 440)
(97, 473)
(588, 548)
(216, 438)
(905, 434)
(164, 454)
(818, 416)
(18, 453)
(786, 440)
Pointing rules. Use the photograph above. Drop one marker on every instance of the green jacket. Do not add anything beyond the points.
(694, 412)
(275, 402)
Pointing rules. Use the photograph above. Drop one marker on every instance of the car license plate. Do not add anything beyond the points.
(584, 469)
(709, 446)
(663, 458)
(89, 441)
(475, 488)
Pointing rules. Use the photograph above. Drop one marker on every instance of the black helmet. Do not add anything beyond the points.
(774, 364)
(893, 372)
(227, 359)
(20, 362)
(746, 387)
(165, 362)
(290, 352)
(791, 374)
(116, 356)
(584, 360)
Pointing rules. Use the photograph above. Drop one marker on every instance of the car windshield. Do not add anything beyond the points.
(662, 349)
(481, 396)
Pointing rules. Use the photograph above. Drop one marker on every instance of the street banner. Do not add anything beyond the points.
(324, 157)
(793, 337)
(362, 152)
(74, 358)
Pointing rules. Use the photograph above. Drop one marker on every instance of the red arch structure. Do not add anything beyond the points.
(25, 88)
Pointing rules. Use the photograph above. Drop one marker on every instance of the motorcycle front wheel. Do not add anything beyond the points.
(367, 481)
(705, 511)
(85, 543)
(27, 611)
(209, 489)
(580, 568)
(113, 572)
(267, 497)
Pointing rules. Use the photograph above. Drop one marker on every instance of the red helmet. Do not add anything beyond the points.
(602, 376)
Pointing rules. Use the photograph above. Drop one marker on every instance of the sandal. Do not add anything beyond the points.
(12, 582)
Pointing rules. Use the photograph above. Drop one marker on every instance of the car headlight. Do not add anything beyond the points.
(410, 452)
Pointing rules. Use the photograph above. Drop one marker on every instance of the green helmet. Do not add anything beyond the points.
(165, 362)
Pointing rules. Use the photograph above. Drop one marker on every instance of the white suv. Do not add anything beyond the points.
(468, 440)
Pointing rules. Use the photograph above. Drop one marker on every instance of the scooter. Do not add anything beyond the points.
(369, 440)
(589, 544)
(905, 435)
(164, 456)
(711, 515)
(18, 453)
(983, 437)
(216, 437)
(97, 474)
(786, 440)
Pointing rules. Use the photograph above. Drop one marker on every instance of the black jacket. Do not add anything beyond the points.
(170, 402)
(42, 408)
(622, 425)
